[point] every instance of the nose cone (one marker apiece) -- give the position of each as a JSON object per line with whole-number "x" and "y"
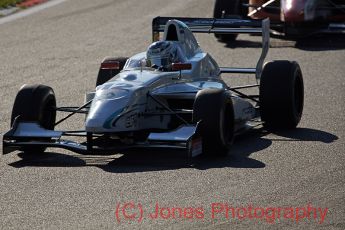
{"x": 103, "y": 113}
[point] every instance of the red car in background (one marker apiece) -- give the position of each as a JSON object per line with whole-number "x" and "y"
{"x": 288, "y": 17}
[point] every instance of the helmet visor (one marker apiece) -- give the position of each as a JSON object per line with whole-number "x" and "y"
{"x": 158, "y": 61}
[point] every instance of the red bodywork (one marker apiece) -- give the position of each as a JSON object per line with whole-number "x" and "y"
{"x": 292, "y": 11}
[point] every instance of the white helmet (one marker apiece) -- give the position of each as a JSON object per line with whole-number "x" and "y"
{"x": 162, "y": 54}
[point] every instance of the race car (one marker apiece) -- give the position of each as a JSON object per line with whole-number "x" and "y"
{"x": 293, "y": 18}
{"x": 170, "y": 96}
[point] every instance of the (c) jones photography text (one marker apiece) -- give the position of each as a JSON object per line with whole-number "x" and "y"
{"x": 132, "y": 211}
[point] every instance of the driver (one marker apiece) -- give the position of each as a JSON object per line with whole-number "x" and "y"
{"x": 162, "y": 54}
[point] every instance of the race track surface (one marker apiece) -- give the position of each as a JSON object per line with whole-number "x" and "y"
{"x": 62, "y": 47}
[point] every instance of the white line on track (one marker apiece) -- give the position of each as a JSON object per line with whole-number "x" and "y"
{"x": 30, "y": 11}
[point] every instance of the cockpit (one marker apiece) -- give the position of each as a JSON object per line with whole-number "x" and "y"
{"x": 177, "y": 46}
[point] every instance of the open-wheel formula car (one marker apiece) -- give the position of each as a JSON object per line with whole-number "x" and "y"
{"x": 171, "y": 96}
{"x": 293, "y": 18}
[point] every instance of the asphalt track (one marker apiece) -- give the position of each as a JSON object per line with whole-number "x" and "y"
{"x": 63, "y": 45}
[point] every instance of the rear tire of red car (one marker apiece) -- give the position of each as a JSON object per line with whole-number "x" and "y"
{"x": 105, "y": 75}
{"x": 35, "y": 103}
{"x": 231, "y": 8}
{"x": 281, "y": 95}
{"x": 214, "y": 109}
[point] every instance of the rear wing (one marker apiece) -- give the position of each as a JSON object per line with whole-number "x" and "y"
{"x": 223, "y": 26}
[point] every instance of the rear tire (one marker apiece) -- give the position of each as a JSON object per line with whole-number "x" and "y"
{"x": 213, "y": 107}
{"x": 281, "y": 95}
{"x": 35, "y": 103}
{"x": 233, "y": 9}
{"x": 105, "y": 75}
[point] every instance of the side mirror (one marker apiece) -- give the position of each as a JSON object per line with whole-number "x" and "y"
{"x": 110, "y": 64}
{"x": 181, "y": 66}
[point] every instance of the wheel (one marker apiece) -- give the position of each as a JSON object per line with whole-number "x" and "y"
{"x": 232, "y": 8}
{"x": 35, "y": 103}
{"x": 105, "y": 75}
{"x": 213, "y": 107}
{"x": 281, "y": 95}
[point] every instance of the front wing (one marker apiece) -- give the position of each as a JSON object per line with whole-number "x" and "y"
{"x": 25, "y": 135}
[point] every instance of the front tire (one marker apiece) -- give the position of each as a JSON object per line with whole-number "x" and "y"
{"x": 35, "y": 103}
{"x": 214, "y": 108}
{"x": 281, "y": 95}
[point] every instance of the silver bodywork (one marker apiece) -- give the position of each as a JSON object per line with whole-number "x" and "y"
{"x": 126, "y": 111}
